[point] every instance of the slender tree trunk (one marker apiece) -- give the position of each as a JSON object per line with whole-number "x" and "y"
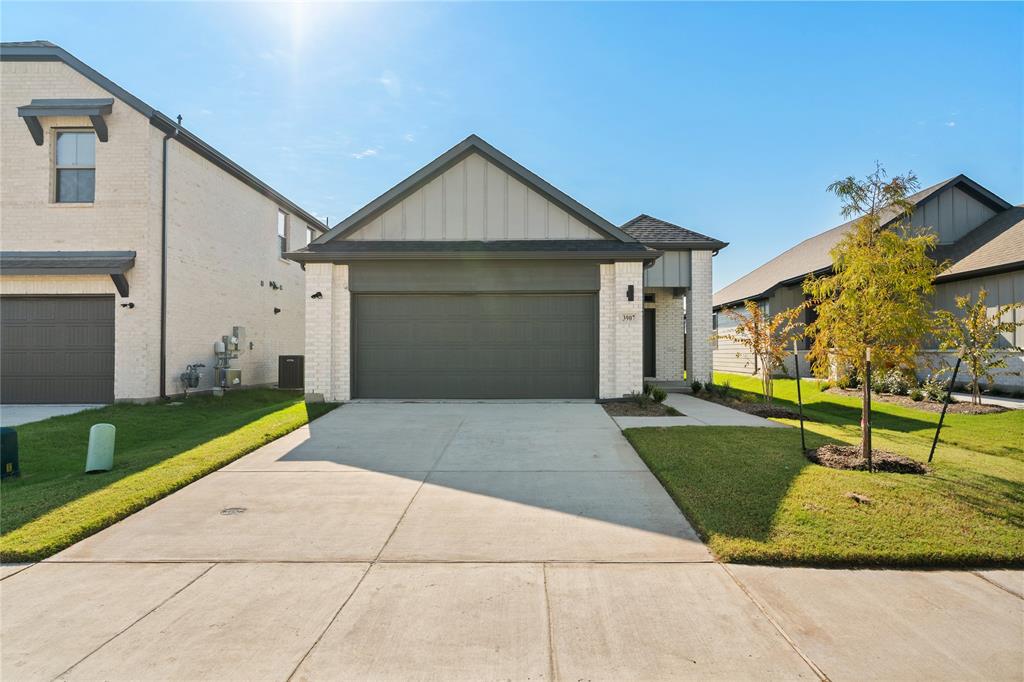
{"x": 865, "y": 417}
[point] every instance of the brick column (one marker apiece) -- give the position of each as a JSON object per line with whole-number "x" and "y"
{"x": 698, "y": 318}
{"x": 341, "y": 332}
{"x": 319, "y": 339}
{"x": 606, "y": 331}
{"x": 620, "y": 330}
{"x": 668, "y": 335}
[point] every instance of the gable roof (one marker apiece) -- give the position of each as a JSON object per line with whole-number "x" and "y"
{"x": 663, "y": 234}
{"x": 813, "y": 254}
{"x": 45, "y": 51}
{"x": 470, "y": 145}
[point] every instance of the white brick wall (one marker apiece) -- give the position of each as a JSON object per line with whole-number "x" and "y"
{"x": 698, "y": 318}
{"x": 328, "y": 332}
{"x": 620, "y": 330}
{"x": 668, "y": 334}
{"x": 124, "y": 216}
{"x": 222, "y": 239}
{"x": 222, "y": 255}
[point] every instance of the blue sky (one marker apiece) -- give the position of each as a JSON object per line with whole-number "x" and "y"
{"x": 729, "y": 119}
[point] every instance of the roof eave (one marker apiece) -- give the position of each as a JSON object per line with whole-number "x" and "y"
{"x": 304, "y": 256}
{"x": 712, "y": 245}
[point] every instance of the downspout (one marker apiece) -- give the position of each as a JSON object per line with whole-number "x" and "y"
{"x": 163, "y": 266}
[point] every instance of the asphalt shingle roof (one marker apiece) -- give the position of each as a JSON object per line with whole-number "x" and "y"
{"x": 996, "y": 243}
{"x": 812, "y": 254}
{"x": 650, "y": 230}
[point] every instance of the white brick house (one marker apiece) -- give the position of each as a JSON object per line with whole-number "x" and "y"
{"x": 476, "y": 279}
{"x": 129, "y": 245}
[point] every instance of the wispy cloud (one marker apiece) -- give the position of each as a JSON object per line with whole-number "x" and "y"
{"x": 409, "y": 137}
{"x": 368, "y": 152}
{"x": 951, "y": 124}
{"x": 391, "y": 82}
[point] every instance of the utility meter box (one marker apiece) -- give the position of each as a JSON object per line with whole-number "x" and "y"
{"x": 228, "y": 377}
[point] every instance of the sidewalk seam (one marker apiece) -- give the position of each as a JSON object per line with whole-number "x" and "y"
{"x": 778, "y": 626}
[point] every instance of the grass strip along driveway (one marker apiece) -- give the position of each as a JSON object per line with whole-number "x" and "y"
{"x": 755, "y": 498}
{"x": 160, "y": 448}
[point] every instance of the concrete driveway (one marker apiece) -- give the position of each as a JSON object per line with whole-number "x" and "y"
{"x": 469, "y": 541}
{"x": 16, "y": 415}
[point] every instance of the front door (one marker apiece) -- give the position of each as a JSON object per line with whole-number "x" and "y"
{"x": 649, "y": 369}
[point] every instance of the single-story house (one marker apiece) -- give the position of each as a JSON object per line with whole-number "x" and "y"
{"x": 130, "y": 245}
{"x": 476, "y": 279}
{"x": 980, "y": 235}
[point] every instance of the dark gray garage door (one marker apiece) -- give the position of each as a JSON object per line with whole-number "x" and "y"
{"x": 474, "y": 346}
{"x": 57, "y": 349}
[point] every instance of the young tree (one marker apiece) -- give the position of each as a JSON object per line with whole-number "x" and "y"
{"x": 973, "y": 334}
{"x": 875, "y": 299}
{"x": 767, "y": 338}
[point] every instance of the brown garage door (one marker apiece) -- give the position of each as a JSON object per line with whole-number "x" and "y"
{"x": 476, "y": 346}
{"x": 57, "y": 349}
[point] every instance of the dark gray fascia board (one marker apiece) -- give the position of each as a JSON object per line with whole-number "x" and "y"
{"x": 66, "y": 262}
{"x": 980, "y": 272}
{"x": 95, "y": 109}
{"x": 471, "y": 144}
{"x": 113, "y": 263}
{"x": 68, "y": 107}
{"x": 771, "y": 290}
{"x": 712, "y": 245}
{"x": 45, "y": 52}
{"x": 343, "y": 257}
{"x": 345, "y": 250}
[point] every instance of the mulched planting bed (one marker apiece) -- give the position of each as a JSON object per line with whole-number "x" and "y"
{"x": 757, "y": 409}
{"x": 926, "y": 405}
{"x": 631, "y": 409}
{"x": 849, "y": 457}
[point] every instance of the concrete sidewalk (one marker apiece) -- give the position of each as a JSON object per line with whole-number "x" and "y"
{"x": 468, "y": 542}
{"x": 697, "y": 412}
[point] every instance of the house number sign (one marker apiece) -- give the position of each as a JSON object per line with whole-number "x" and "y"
{"x": 628, "y": 317}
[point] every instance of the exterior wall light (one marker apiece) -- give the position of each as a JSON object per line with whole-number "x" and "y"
{"x": 629, "y": 293}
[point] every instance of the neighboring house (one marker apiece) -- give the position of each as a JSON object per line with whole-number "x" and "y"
{"x": 474, "y": 278}
{"x": 980, "y": 234}
{"x": 129, "y": 245}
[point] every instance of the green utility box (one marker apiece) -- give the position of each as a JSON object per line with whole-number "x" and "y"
{"x": 8, "y": 452}
{"x": 101, "y": 448}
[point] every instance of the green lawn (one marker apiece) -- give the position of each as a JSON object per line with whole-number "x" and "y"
{"x": 755, "y": 498}
{"x": 160, "y": 448}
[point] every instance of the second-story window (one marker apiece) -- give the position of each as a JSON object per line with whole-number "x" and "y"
{"x": 310, "y": 235}
{"x": 76, "y": 166}
{"x": 282, "y": 232}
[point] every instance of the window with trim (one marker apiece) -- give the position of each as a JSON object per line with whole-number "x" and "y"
{"x": 75, "y": 165}
{"x": 310, "y": 235}
{"x": 282, "y": 232}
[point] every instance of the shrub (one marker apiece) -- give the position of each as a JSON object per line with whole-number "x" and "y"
{"x": 648, "y": 388}
{"x": 917, "y": 395}
{"x": 658, "y": 394}
{"x": 897, "y": 381}
{"x": 641, "y": 399}
{"x": 695, "y": 386}
{"x": 824, "y": 385}
{"x": 934, "y": 388}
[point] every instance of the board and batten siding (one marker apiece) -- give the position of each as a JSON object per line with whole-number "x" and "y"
{"x": 952, "y": 214}
{"x": 1002, "y": 289}
{"x": 731, "y": 356}
{"x": 474, "y": 200}
{"x": 670, "y": 270}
